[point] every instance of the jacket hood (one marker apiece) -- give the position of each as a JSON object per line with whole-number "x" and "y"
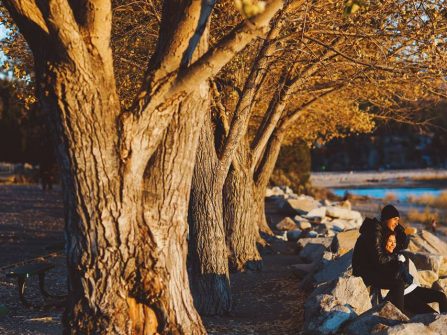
{"x": 369, "y": 225}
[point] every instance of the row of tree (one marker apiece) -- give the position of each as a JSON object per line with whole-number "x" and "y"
{"x": 168, "y": 118}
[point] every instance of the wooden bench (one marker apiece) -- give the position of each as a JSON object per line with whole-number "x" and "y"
{"x": 24, "y": 272}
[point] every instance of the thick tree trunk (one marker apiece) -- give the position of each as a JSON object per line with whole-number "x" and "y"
{"x": 239, "y": 216}
{"x": 208, "y": 255}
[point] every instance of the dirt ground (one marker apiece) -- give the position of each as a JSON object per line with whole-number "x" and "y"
{"x": 31, "y": 227}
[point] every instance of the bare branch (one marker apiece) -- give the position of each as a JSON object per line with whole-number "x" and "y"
{"x": 27, "y": 11}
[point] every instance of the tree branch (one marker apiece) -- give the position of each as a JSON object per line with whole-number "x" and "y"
{"x": 244, "y": 107}
{"x": 27, "y": 11}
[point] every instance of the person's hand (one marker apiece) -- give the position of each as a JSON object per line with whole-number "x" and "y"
{"x": 401, "y": 258}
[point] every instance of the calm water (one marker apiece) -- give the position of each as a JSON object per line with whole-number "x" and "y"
{"x": 400, "y": 193}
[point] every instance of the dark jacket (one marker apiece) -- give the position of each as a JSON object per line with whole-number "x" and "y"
{"x": 370, "y": 259}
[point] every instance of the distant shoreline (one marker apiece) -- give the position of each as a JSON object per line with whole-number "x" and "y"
{"x": 402, "y": 178}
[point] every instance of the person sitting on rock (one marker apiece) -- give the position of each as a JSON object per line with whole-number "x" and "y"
{"x": 416, "y": 298}
{"x": 372, "y": 263}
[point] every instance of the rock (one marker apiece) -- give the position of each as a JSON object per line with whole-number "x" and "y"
{"x": 286, "y": 224}
{"x": 407, "y": 329}
{"x": 418, "y": 244}
{"x": 439, "y": 245}
{"x": 303, "y": 204}
{"x": 443, "y": 269}
{"x": 338, "y": 225}
{"x": 324, "y": 314}
{"x": 385, "y": 313}
{"x": 312, "y": 252}
{"x": 435, "y": 322}
{"x": 334, "y": 269}
{"x": 345, "y": 241}
{"x": 440, "y": 285}
{"x": 274, "y": 191}
{"x": 439, "y": 325}
{"x": 326, "y": 241}
{"x": 316, "y": 215}
{"x": 312, "y": 234}
{"x": 282, "y": 237}
{"x": 427, "y": 277}
{"x": 303, "y": 225}
{"x": 342, "y": 213}
{"x": 426, "y": 261}
{"x": 294, "y": 235}
{"x": 348, "y": 290}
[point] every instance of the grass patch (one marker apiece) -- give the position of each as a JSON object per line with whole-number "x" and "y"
{"x": 439, "y": 201}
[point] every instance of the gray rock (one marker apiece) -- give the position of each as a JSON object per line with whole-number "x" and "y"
{"x": 312, "y": 252}
{"x": 294, "y": 235}
{"x": 348, "y": 290}
{"x": 345, "y": 241}
{"x": 418, "y": 244}
{"x": 386, "y": 314}
{"x": 425, "y": 260}
{"x": 324, "y": 314}
{"x": 334, "y": 269}
{"x": 326, "y": 241}
{"x": 407, "y": 329}
{"x": 286, "y": 224}
{"x": 303, "y": 204}
{"x": 342, "y": 213}
{"x": 312, "y": 234}
{"x": 316, "y": 215}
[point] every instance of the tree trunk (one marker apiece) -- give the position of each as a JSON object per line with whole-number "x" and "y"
{"x": 210, "y": 282}
{"x": 239, "y": 215}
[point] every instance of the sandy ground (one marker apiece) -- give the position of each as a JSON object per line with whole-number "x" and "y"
{"x": 31, "y": 223}
{"x": 365, "y": 178}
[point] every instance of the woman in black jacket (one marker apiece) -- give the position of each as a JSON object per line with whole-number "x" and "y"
{"x": 416, "y": 298}
{"x": 371, "y": 261}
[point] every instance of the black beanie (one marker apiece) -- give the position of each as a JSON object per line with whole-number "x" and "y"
{"x": 388, "y": 212}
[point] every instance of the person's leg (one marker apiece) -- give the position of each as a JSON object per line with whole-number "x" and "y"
{"x": 417, "y": 300}
{"x": 396, "y": 293}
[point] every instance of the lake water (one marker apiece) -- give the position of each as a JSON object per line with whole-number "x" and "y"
{"x": 401, "y": 193}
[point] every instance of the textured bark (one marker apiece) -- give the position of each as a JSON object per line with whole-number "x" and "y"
{"x": 126, "y": 234}
{"x": 208, "y": 255}
{"x": 240, "y": 217}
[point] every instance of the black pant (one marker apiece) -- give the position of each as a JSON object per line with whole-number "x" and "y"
{"x": 396, "y": 287}
{"x": 416, "y": 301}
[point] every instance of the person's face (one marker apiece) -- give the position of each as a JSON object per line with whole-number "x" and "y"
{"x": 392, "y": 223}
{"x": 390, "y": 244}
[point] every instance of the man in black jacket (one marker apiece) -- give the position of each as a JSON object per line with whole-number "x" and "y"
{"x": 371, "y": 262}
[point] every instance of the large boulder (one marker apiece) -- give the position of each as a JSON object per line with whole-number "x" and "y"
{"x": 440, "y": 285}
{"x": 435, "y": 242}
{"x": 345, "y": 241}
{"x": 324, "y": 314}
{"x": 427, "y": 278}
{"x": 385, "y": 314}
{"x": 407, "y": 329}
{"x": 426, "y": 261}
{"x": 418, "y": 244}
{"x": 286, "y": 224}
{"x": 342, "y": 213}
{"x": 435, "y": 322}
{"x": 348, "y": 290}
{"x": 335, "y": 268}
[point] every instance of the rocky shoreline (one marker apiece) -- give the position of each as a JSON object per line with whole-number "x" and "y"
{"x": 340, "y": 303}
